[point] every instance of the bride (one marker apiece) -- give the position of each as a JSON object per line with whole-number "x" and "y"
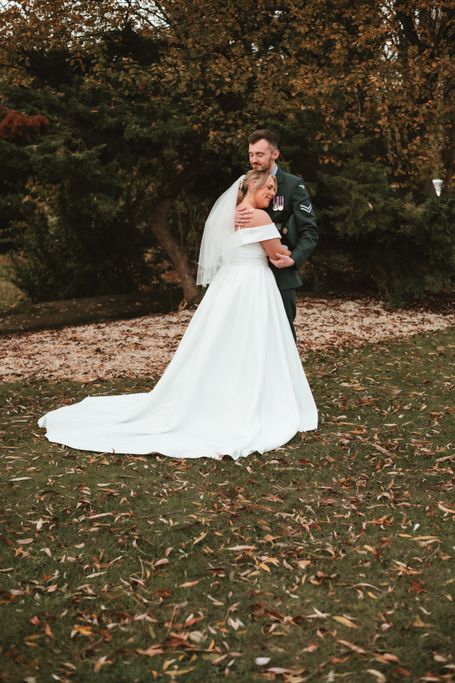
{"x": 235, "y": 384}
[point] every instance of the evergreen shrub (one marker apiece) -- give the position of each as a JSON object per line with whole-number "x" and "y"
{"x": 81, "y": 236}
{"x": 376, "y": 238}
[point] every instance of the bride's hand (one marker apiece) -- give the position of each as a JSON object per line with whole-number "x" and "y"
{"x": 243, "y": 217}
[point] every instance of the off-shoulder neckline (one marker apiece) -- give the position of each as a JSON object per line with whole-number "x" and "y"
{"x": 257, "y": 227}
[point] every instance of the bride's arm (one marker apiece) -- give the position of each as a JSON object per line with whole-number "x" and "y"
{"x": 272, "y": 247}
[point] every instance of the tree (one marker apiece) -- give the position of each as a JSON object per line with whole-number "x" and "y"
{"x": 17, "y": 130}
{"x": 386, "y": 70}
{"x": 185, "y": 89}
{"x": 374, "y": 237}
{"x": 162, "y": 95}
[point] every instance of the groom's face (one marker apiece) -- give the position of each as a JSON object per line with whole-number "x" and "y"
{"x": 262, "y": 155}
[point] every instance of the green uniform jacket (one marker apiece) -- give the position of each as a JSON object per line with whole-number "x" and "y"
{"x": 297, "y": 226}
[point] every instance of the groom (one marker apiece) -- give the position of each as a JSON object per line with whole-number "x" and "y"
{"x": 292, "y": 213}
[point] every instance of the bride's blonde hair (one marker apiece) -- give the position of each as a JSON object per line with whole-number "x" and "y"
{"x": 257, "y": 178}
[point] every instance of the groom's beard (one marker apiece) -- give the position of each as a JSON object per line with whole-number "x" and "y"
{"x": 261, "y": 167}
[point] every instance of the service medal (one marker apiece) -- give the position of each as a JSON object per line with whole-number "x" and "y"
{"x": 278, "y": 203}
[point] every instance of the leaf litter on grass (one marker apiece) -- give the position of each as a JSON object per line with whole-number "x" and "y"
{"x": 144, "y": 346}
{"x": 329, "y": 559}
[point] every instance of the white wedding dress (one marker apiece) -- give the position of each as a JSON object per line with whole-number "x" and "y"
{"x": 234, "y": 386}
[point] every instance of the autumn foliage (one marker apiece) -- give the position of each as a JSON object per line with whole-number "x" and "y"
{"x": 156, "y": 99}
{"x": 16, "y": 126}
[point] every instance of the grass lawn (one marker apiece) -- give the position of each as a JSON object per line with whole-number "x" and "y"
{"x": 331, "y": 559}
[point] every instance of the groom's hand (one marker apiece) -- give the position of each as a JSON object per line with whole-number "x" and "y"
{"x": 282, "y": 261}
{"x": 243, "y": 217}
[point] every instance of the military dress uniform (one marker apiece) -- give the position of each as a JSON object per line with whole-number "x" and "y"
{"x": 293, "y": 214}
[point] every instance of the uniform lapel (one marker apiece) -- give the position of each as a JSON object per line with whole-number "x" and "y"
{"x": 279, "y": 180}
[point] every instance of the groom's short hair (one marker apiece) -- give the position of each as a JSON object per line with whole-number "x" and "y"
{"x": 264, "y": 134}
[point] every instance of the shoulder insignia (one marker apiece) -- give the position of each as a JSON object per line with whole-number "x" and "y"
{"x": 306, "y": 207}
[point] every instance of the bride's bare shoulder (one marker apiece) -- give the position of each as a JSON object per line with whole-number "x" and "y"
{"x": 260, "y": 217}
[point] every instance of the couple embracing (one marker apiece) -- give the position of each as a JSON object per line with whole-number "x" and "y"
{"x": 235, "y": 384}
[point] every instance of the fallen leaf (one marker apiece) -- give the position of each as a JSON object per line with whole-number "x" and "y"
{"x": 378, "y": 675}
{"x": 352, "y": 646}
{"x": 102, "y": 661}
{"x": 445, "y": 508}
{"x": 81, "y": 630}
{"x": 189, "y": 584}
{"x": 345, "y": 621}
{"x": 386, "y": 657}
{"x": 200, "y": 538}
{"x": 197, "y": 636}
{"x": 151, "y": 651}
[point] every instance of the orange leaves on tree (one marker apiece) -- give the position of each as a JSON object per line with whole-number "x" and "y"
{"x": 15, "y": 126}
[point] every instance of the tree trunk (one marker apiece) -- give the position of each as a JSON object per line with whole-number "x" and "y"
{"x": 157, "y": 224}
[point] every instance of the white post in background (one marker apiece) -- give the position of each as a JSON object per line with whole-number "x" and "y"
{"x": 437, "y": 184}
